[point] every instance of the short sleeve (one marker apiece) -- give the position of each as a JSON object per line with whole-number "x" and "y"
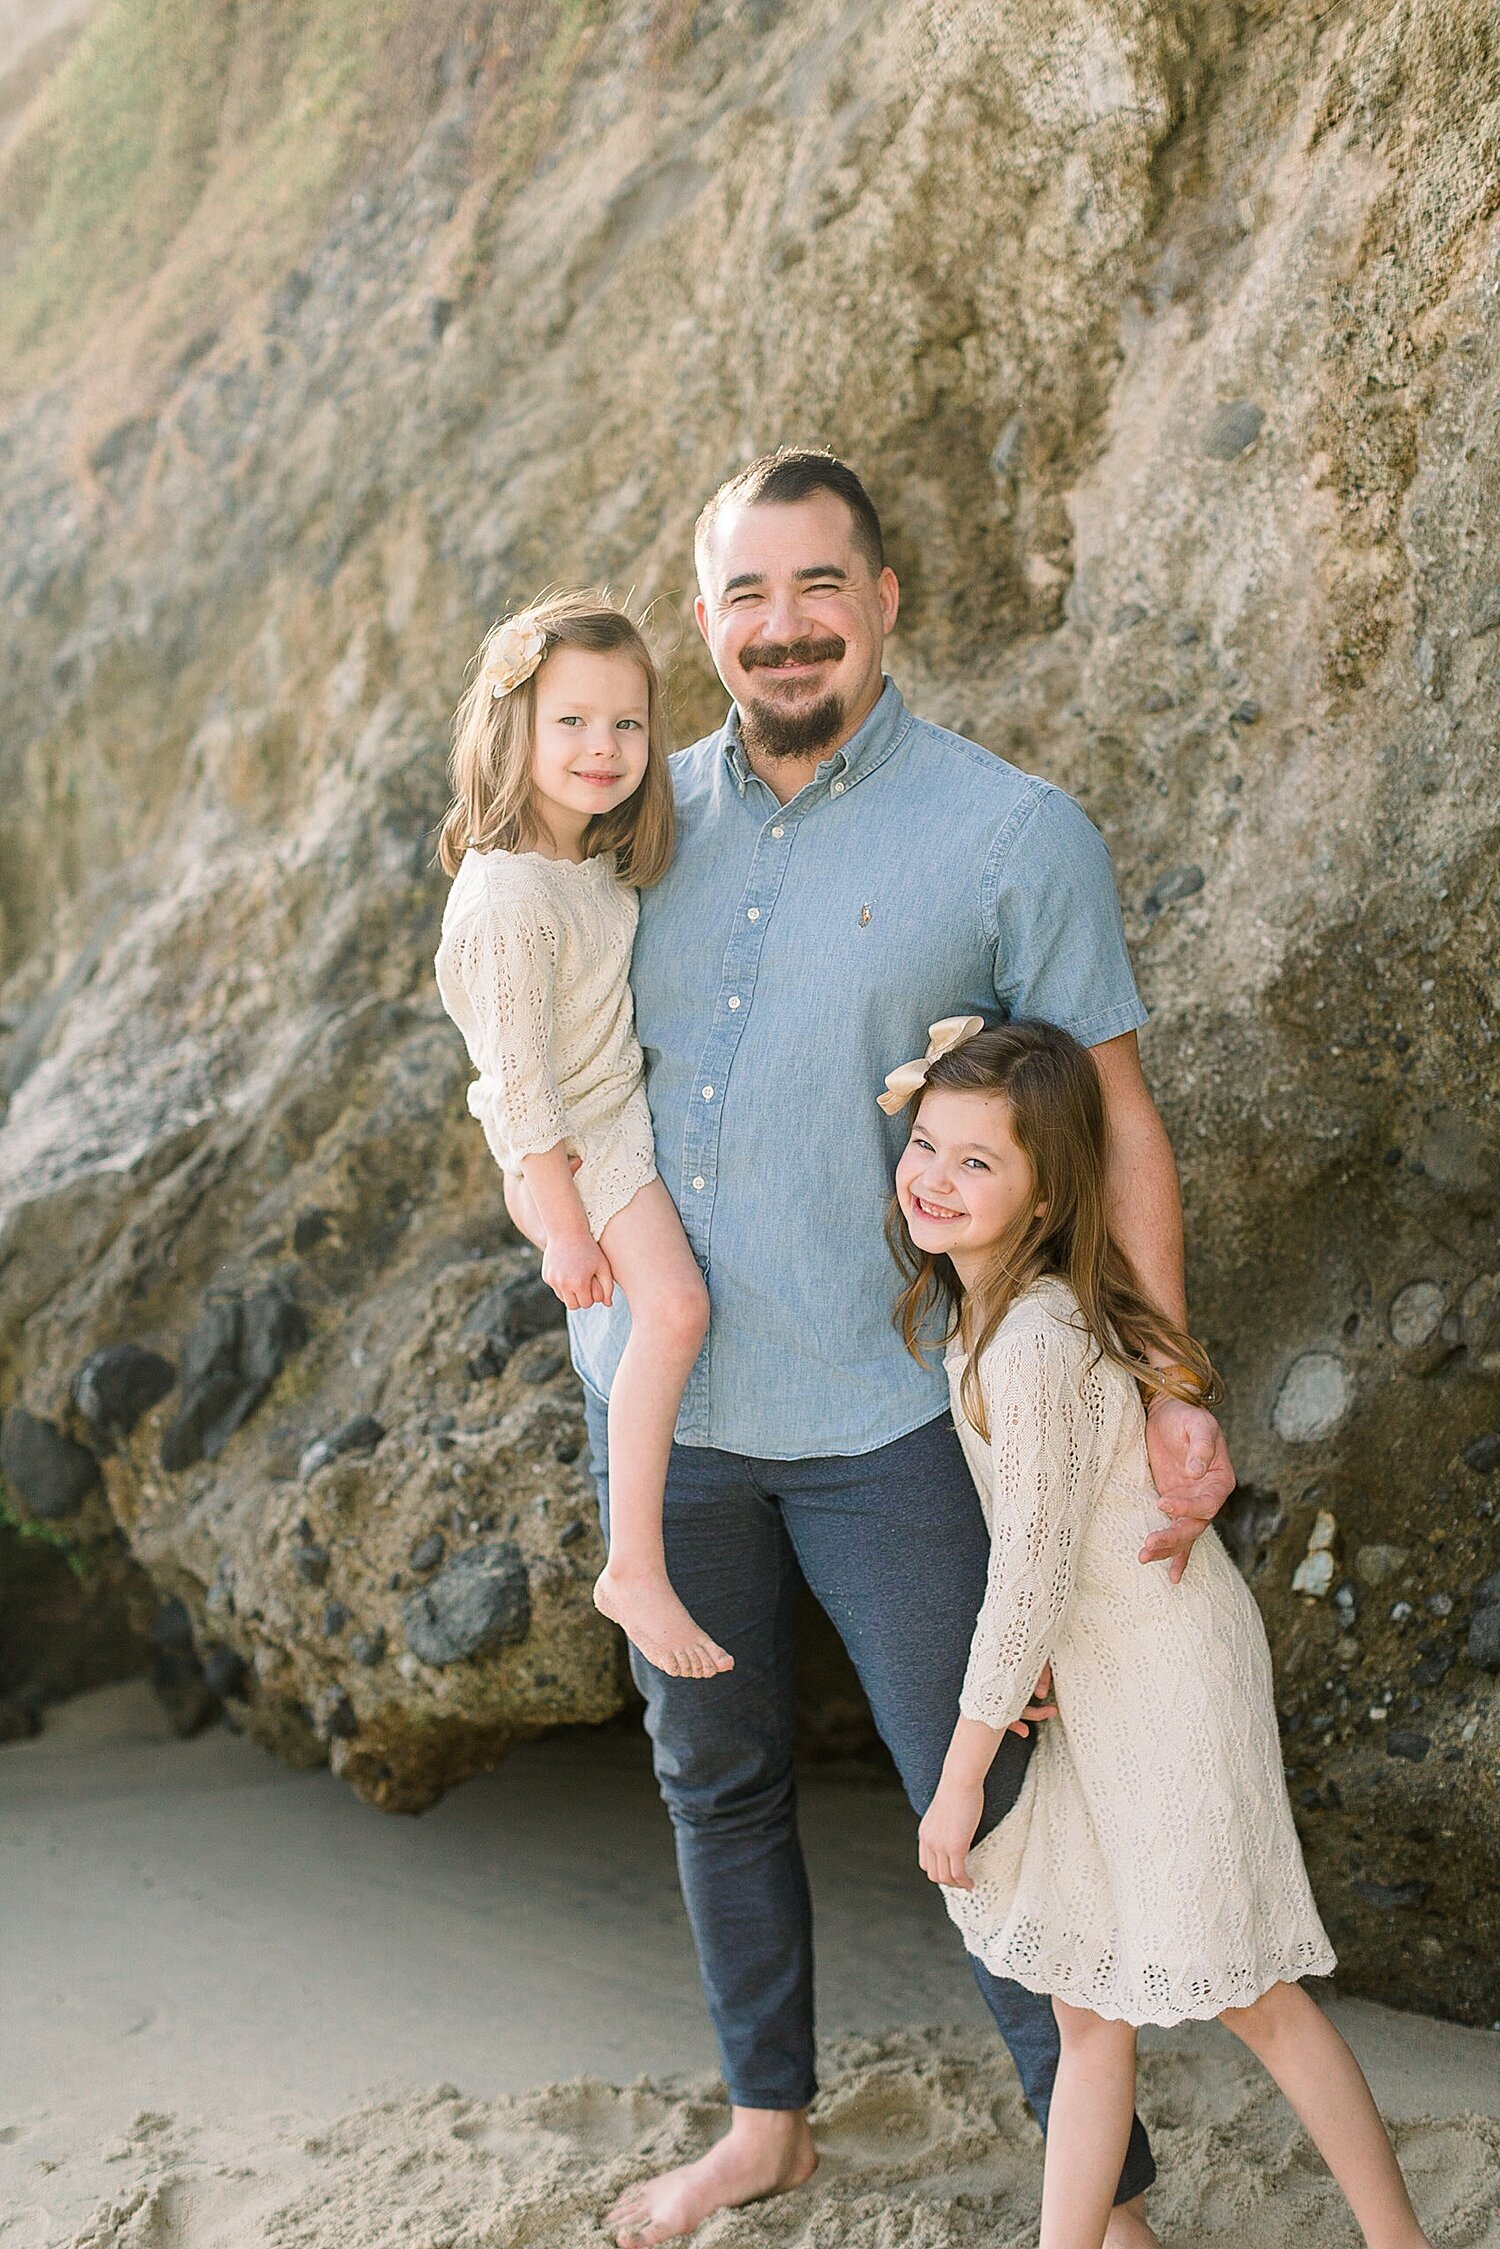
{"x": 1051, "y": 904}
{"x": 1046, "y": 1439}
{"x": 495, "y": 973}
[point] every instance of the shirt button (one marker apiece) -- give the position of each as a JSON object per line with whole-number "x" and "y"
{"x": 752, "y": 913}
{"x": 697, "y": 1186}
{"x": 734, "y": 1002}
{"x": 838, "y": 789}
{"x": 778, "y": 833}
{"x": 708, "y": 1093}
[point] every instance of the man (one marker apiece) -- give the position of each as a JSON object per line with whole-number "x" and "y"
{"x": 845, "y": 875}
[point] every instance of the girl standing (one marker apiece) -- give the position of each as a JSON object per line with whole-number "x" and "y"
{"x": 1149, "y": 1871}
{"x": 562, "y": 809}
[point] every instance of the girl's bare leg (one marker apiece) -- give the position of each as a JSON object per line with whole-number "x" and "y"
{"x": 1088, "y": 2127}
{"x": 1288, "y": 2031}
{"x": 649, "y": 1255}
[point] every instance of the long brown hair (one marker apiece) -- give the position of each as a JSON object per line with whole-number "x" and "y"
{"x": 494, "y": 796}
{"x": 1058, "y": 1122}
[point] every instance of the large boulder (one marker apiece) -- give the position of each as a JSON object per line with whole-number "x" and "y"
{"x": 1168, "y": 341}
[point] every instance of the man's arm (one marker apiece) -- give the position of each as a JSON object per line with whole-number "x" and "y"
{"x": 1189, "y": 1458}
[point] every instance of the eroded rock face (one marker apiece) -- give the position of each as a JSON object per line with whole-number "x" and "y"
{"x": 1168, "y": 340}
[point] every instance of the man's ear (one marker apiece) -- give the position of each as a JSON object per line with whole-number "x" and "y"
{"x": 700, "y": 612}
{"x": 887, "y": 586}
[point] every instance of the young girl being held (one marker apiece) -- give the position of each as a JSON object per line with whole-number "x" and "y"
{"x": 1149, "y": 1871}
{"x": 562, "y": 809}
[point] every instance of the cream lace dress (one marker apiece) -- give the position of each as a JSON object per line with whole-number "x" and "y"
{"x": 1149, "y": 1869}
{"x": 534, "y": 969}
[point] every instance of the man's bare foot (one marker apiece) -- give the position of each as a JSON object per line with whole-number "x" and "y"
{"x": 652, "y": 1618}
{"x": 1128, "y": 2228}
{"x": 766, "y": 2151}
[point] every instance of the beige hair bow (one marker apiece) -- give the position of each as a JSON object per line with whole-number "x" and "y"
{"x": 942, "y": 1038}
{"x": 513, "y": 654}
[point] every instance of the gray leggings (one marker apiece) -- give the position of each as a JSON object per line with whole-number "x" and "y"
{"x": 894, "y": 1547}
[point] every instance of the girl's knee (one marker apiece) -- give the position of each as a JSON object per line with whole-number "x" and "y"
{"x": 1079, "y": 2027}
{"x": 677, "y": 1315}
{"x": 1265, "y": 2017}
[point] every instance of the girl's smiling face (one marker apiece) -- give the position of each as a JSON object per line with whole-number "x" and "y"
{"x": 592, "y": 730}
{"x": 963, "y": 1181}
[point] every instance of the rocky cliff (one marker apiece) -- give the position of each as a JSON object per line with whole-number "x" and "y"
{"x": 1167, "y": 337}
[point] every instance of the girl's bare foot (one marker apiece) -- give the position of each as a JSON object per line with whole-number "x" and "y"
{"x": 764, "y": 2152}
{"x": 1128, "y": 2228}
{"x": 652, "y": 1618}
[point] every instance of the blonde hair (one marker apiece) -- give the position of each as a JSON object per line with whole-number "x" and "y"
{"x": 490, "y": 768}
{"x": 1057, "y": 1120}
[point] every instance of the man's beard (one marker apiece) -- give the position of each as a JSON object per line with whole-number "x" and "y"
{"x": 774, "y": 732}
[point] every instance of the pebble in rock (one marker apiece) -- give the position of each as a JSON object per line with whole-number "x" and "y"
{"x": 428, "y": 1552}
{"x": 1400, "y": 1743}
{"x": 310, "y": 1229}
{"x": 544, "y": 1367}
{"x": 224, "y": 1670}
{"x": 572, "y": 1531}
{"x": 1483, "y": 1455}
{"x": 1484, "y": 1638}
{"x": 481, "y": 1600}
{"x": 234, "y": 1353}
{"x": 1246, "y": 711}
{"x": 335, "y": 1617}
{"x": 334, "y": 1716}
{"x": 51, "y": 1474}
{"x": 361, "y": 1435}
{"x": 171, "y": 1627}
{"x": 114, "y": 1387}
{"x": 1393, "y": 1897}
{"x": 1375, "y": 1565}
{"x": 368, "y": 1648}
{"x": 1182, "y": 882}
{"x": 311, "y": 1563}
{"x": 1233, "y": 429}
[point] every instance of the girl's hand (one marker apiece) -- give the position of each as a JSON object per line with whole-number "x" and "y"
{"x": 946, "y": 1832}
{"x": 575, "y": 1268}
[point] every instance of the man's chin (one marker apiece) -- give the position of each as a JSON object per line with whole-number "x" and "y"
{"x": 791, "y": 729}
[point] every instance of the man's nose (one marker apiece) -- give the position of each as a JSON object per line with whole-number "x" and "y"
{"x": 784, "y": 619}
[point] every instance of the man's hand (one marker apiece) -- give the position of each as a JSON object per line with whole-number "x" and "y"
{"x": 1193, "y": 1474}
{"x": 575, "y": 1268}
{"x": 947, "y": 1830}
{"x": 1041, "y": 1705}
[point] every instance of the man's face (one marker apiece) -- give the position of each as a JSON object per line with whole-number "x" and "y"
{"x": 796, "y": 619}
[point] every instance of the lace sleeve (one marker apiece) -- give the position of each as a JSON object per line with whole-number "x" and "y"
{"x": 495, "y": 972}
{"x": 1045, "y": 1416}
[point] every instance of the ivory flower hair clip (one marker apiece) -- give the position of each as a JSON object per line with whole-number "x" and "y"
{"x": 514, "y": 653}
{"x": 910, "y": 1077}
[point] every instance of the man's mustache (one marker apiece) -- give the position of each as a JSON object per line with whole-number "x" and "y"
{"x": 774, "y": 656}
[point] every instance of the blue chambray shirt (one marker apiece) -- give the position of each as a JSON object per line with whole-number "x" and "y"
{"x": 790, "y": 957}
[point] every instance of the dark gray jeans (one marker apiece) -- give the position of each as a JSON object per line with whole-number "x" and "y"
{"x": 893, "y": 1545}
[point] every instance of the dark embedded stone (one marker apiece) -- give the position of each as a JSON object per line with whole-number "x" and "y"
{"x": 566, "y": 1451}
{"x": 481, "y": 1600}
{"x": 1484, "y": 1638}
{"x": 335, "y": 1617}
{"x": 1309, "y": 1799}
{"x": 333, "y": 1716}
{"x": 1246, "y": 712}
{"x": 1412, "y": 1746}
{"x": 311, "y": 1228}
{"x": 1487, "y": 1592}
{"x": 1127, "y": 617}
{"x": 1233, "y": 430}
{"x": 427, "y": 1552}
{"x": 1157, "y": 699}
{"x": 224, "y": 1670}
{"x": 544, "y": 1366}
{"x": 233, "y": 1355}
{"x": 1182, "y": 882}
{"x": 1434, "y": 1668}
{"x": 311, "y": 1563}
{"x": 1393, "y": 1897}
{"x": 361, "y": 1435}
{"x": 1483, "y": 1455}
{"x": 51, "y": 1474}
{"x": 184, "y": 1694}
{"x": 171, "y": 1627}
{"x": 114, "y": 1387}
{"x": 368, "y": 1648}
{"x": 572, "y": 1531}
{"x": 526, "y": 1308}
{"x": 492, "y": 1358}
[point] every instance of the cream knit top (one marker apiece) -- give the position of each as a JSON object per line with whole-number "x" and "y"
{"x": 534, "y": 969}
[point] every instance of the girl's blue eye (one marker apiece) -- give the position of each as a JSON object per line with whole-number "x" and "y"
{"x": 978, "y": 1162}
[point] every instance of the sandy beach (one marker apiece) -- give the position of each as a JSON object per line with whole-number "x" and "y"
{"x": 243, "y": 2008}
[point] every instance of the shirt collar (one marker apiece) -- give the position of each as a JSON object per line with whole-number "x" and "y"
{"x": 869, "y": 747}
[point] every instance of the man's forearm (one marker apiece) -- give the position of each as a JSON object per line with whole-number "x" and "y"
{"x": 1145, "y": 1198}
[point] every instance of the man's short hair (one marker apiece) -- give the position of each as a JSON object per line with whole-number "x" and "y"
{"x": 792, "y": 473}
